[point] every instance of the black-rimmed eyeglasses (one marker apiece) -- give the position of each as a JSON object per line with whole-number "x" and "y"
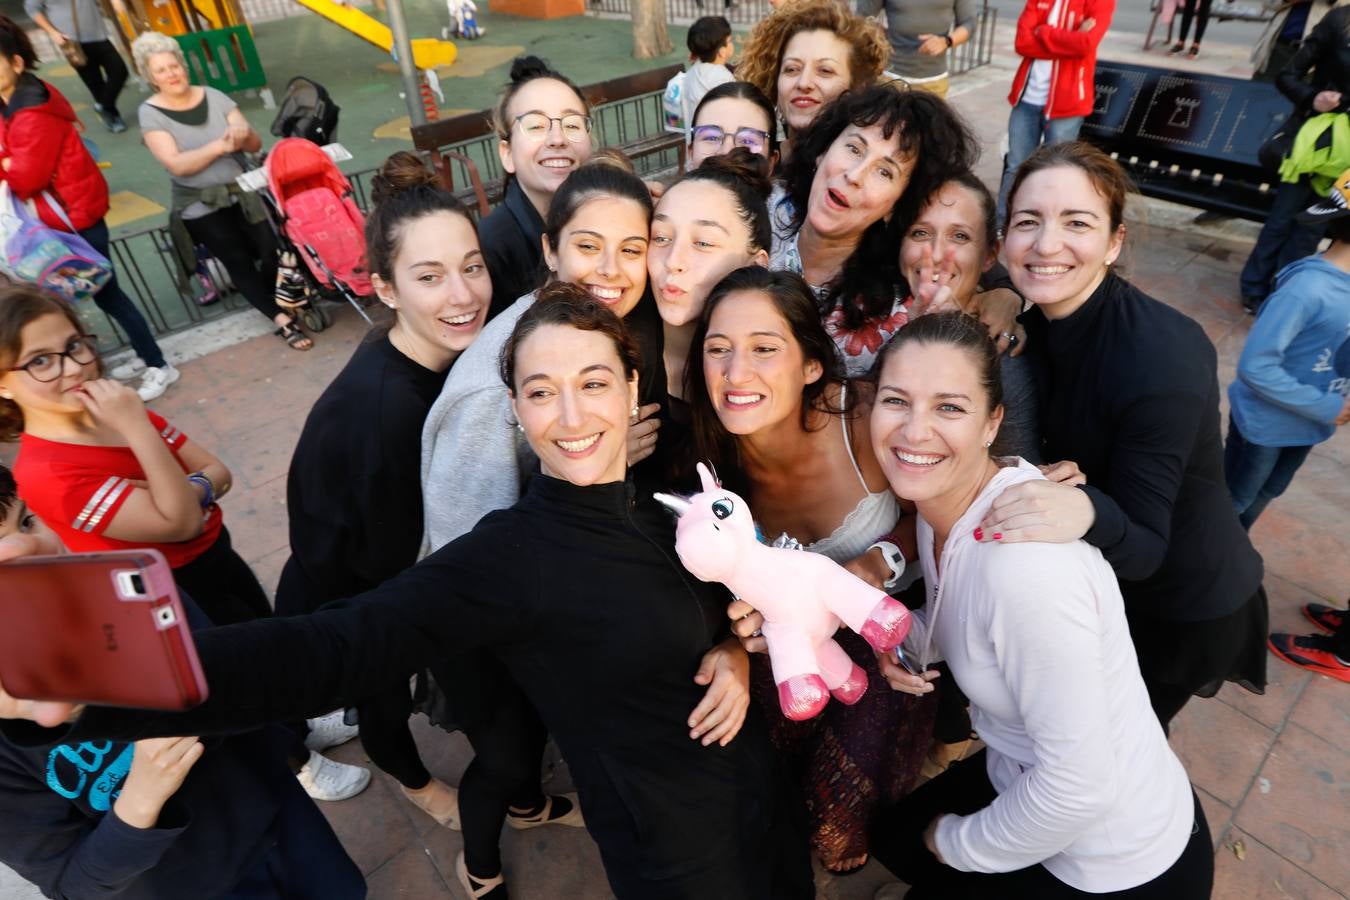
{"x": 47, "y": 367}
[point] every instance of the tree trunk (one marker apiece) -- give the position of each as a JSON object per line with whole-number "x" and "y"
{"x": 650, "y": 38}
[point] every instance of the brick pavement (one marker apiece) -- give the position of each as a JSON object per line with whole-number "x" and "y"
{"x": 1273, "y": 772}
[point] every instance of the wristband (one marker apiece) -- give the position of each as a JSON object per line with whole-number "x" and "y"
{"x": 208, "y": 488}
{"x": 895, "y": 561}
{"x": 950, "y": 42}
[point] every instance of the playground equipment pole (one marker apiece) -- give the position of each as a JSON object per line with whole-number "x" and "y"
{"x": 412, "y": 91}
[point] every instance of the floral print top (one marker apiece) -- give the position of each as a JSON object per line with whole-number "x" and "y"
{"x": 857, "y": 347}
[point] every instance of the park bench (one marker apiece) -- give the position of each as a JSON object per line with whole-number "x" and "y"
{"x": 626, "y": 114}
{"x": 1188, "y": 137}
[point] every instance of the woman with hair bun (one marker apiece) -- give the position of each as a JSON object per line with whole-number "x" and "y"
{"x": 353, "y": 491}
{"x": 543, "y": 127}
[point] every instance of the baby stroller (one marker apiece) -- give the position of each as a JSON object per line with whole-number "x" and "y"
{"x": 307, "y": 112}
{"x": 316, "y": 216}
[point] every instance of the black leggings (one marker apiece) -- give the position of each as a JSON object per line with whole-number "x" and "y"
{"x": 223, "y": 585}
{"x": 508, "y": 750}
{"x": 897, "y": 843}
{"x": 388, "y": 740}
{"x": 247, "y": 251}
{"x": 1199, "y": 10}
{"x": 105, "y": 74}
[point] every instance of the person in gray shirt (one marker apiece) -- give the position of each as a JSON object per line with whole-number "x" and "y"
{"x": 81, "y": 22}
{"x": 921, "y": 32}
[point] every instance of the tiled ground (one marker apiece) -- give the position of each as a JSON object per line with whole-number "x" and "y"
{"x": 1273, "y": 771}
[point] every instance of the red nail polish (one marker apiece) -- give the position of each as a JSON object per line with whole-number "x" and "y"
{"x": 979, "y": 534}
{"x": 998, "y": 535}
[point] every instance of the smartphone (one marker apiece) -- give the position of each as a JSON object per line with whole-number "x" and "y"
{"x": 910, "y": 665}
{"x": 105, "y": 628}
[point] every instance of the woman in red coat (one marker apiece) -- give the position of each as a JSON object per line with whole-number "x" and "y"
{"x": 43, "y": 157}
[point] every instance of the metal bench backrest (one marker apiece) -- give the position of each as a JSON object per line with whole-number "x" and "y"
{"x": 1188, "y": 137}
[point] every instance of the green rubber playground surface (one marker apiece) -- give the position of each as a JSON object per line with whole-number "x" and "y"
{"x": 364, "y": 82}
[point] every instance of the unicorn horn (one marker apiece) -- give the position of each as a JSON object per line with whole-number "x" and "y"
{"x": 678, "y": 505}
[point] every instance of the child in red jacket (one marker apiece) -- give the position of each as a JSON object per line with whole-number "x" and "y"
{"x": 1053, "y": 90}
{"x": 43, "y": 158}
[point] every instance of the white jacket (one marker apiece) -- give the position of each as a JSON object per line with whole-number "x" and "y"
{"x": 1035, "y": 635}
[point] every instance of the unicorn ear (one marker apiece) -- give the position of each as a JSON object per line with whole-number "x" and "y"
{"x": 706, "y": 477}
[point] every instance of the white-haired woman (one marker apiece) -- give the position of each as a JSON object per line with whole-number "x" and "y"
{"x": 198, "y": 134}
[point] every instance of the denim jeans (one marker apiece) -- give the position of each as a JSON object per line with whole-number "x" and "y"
{"x": 118, "y": 306}
{"x": 1257, "y": 475}
{"x": 1027, "y": 129}
{"x": 1282, "y": 240}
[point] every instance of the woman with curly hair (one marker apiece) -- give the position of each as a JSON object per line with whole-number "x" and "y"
{"x": 864, "y": 170}
{"x": 806, "y": 53}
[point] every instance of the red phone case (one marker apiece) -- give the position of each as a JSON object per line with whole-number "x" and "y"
{"x": 76, "y": 628}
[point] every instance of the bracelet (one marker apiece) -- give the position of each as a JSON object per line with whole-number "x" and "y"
{"x": 207, "y": 486}
{"x": 895, "y": 561}
{"x": 950, "y": 42}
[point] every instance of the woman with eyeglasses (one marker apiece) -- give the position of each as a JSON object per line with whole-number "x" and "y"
{"x": 543, "y": 127}
{"x": 104, "y": 472}
{"x": 735, "y": 114}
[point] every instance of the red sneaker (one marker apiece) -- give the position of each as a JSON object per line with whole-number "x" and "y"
{"x": 1310, "y": 651}
{"x": 1328, "y": 618}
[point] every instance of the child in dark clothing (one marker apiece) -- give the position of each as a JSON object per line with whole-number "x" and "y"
{"x": 162, "y": 817}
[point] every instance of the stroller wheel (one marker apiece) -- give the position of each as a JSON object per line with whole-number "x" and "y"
{"x": 314, "y": 318}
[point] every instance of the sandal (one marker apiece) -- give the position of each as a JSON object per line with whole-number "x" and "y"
{"x": 546, "y": 816}
{"x": 438, "y": 800}
{"x": 473, "y": 886}
{"x": 1178, "y": 47}
{"x": 1194, "y": 51}
{"x": 294, "y": 337}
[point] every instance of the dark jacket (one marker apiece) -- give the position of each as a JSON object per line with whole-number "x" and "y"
{"x": 1130, "y": 392}
{"x": 1322, "y": 62}
{"x": 40, "y": 136}
{"x": 510, "y": 238}
{"x": 578, "y": 591}
{"x": 59, "y": 831}
{"x": 354, "y": 489}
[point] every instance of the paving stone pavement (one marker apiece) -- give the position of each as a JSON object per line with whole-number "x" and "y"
{"x": 1273, "y": 772}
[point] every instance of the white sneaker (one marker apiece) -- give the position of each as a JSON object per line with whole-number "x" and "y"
{"x": 156, "y": 381}
{"x": 329, "y": 731}
{"x": 326, "y": 779}
{"x": 128, "y": 370}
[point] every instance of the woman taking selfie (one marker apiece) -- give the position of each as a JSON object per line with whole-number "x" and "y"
{"x": 543, "y": 127}
{"x": 1077, "y": 794}
{"x": 1130, "y": 402}
{"x": 102, "y": 471}
{"x": 577, "y": 591}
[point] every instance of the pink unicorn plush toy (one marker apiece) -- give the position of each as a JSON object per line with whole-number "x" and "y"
{"x": 802, "y": 596}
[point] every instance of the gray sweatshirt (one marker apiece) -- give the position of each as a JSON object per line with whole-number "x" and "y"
{"x": 474, "y": 459}
{"x": 60, "y": 14}
{"x": 907, "y": 19}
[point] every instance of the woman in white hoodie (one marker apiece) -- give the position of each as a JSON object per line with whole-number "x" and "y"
{"x": 1077, "y": 793}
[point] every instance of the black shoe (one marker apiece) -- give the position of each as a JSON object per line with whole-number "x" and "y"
{"x": 1252, "y": 304}
{"x": 112, "y": 121}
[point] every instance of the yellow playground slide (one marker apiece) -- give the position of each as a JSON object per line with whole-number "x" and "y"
{"x": 428, "y": 53}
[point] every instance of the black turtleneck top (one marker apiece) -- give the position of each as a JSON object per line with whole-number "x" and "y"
{"x": 1130, "y": 392}
{"x": 579, "y": 593}
{"x": 510, "y": 238}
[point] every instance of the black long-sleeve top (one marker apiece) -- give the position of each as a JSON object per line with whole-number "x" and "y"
{"x": 1322, "y": 62}
{"x": 578, "y": 591}
{"x": 510, "y": 238}
{"x": 58, "y": 828}
{"x": 354, "y": 491}
{"x": 1130, "y": 392}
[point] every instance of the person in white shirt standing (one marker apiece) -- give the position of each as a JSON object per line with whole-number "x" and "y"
{"x": 1053, "y": 90}
{"x": 1078, "y": 793}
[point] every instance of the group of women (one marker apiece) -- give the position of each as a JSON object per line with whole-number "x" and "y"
{"x": 823, "y": 337}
